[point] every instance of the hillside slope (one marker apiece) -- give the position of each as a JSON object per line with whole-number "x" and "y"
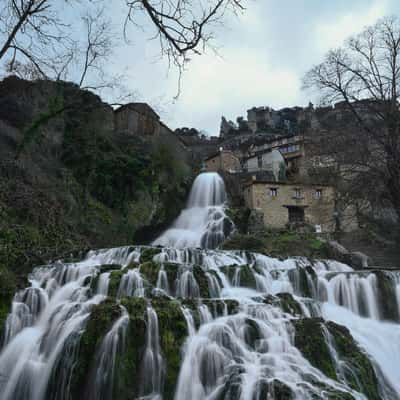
{"x": 68, "y": 181}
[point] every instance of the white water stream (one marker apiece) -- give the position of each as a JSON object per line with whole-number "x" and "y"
{"x": 203, "y": 223}
{"x": 240, "y": 341}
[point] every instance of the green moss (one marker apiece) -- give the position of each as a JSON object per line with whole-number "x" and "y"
{"x": 310, "y": 340}
{"x": 129, "y": 362}
{"x": 109, "y": 267}
{"x": 173, "y": 333}
{"x": 100, "y": 322}
{"x": 247, "y": 278}
{"x": 115, "y": 279}
{"x": 148, "y": 254}
{"x": 218, "y": 307}
{"x": 303, "y": 279}
{"x": 202, "y": 281}
{"x": 289, "y": 304}
{"x": 150, "y": 270}
{"x": 8, "y": 286}
{"x": 240, "y": 217}
{"x": 244, "y": 242}
{"x": 360, "y": 375}
{"x": 387, "y": 298}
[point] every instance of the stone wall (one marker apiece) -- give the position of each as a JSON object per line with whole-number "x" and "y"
{"x": 137, "y": 119}
{"x": 317, "y": 211}
{"x": 223, "y": 161}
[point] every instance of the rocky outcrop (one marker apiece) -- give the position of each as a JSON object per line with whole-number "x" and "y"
{"x": 68, "y": 181}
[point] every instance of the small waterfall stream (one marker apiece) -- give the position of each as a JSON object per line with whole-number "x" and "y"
{"x": 203, "y": 223}
{"x": 180, "y": 323}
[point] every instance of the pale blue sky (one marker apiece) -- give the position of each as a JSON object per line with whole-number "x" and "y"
{"x": 263, "y": 55}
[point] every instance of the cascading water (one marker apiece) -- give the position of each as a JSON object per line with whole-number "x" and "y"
{"x": 233, "y": 319}
{"x": 203, "y": 223}
{"x": 153, "y": 368}
{"x": 180, "y": 323}
{"x": 101, "y": 387}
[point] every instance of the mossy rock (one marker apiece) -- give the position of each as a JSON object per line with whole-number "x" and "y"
{"x": 129, "y": 362}
{"x": 361, "y": 376}
{"x": 202, "y": 281}
{"x": 289, "y": 304}
{"x": 244, "y": 242}
{"x": 100, "y": 321}
{"x": 149, "y": 270}
{"x": 303, "y": 279}
{"x": 387, "y": 298}
{"x": 115, "y": 279}
{"x": 274, "y": 389}
{"x": 246, "y": 274}
{"x": 172, "y": 271}
{"x": 109, "y": 267}
{"x": 218, "y": 307}
{"x": 231, "y": 390}
{"x": 217, "y": 277}
{"x": 251, "y": 332}
{"x": 173, "y": 333}
{"x": 8, "y": 287}
{"x": 240, "y": 217}
{"x": 148, "y": 254}
{"x": 310, "y": 340}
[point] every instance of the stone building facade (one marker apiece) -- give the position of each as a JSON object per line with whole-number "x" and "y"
{"x": 137, "y": 119}
{"x": 222, "y": 161}
{"x": 290, "y": 203}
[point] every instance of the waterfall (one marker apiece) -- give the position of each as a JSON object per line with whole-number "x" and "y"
{"x": 153, "y": 367}
{"x": 101, "y": 387}
{"x": 203, "y": 324}
{"x": 131, "y": 284}
{"x": 203, "y": 223}
{"x": 103, "y": 283}
{"x": 162, "y": 281}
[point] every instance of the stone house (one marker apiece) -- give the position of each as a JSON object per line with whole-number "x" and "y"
{"x": 283, "y": 203}
{"x": 292, "y": 148}
{"x": 222, "y": 161}
{"x": 137, "y": 119}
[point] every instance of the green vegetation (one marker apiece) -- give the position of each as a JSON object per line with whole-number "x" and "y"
{"x": 71, "y": 182}
{"x": 359, "y": 372}
{"x": 360, "y": 375}
{"x": 310, "y": 340}
{"x": 279, "y": 243}
{"x": 100, "y": 322}
{"x": 7, "y": 290}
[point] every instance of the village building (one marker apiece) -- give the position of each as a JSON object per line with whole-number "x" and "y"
{"x": 222, "y": 161}
{"x": 137, "y": 119}
{"x": 291, "y": 147}
{"x": 267, "y": 161}
{"x": 283, "y": 204}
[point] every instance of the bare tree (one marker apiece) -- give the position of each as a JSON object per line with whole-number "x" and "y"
{"x": 34, "y": 38}
{"x": 182, "y": 27}
{"x": 37, "y": 40}
{"x": 364, "y": 75}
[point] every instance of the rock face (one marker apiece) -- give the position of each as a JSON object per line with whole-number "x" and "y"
{"x": 69, "y": 180}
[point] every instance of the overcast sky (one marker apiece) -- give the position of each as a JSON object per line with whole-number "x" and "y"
{"x": 263, "y": 55}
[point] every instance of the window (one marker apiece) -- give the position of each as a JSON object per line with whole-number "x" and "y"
{"x": 297, "y": 193}
{"x": 273, "y": 192}
{"x": 318, "y": 193}
{"x": 259, "y": 161}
